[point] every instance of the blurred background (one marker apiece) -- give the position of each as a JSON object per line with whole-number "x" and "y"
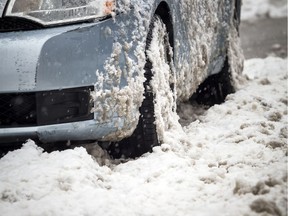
{"x": 263, "y": 29}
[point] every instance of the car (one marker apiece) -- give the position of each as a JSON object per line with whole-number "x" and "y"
{"x": 84, "y": 70}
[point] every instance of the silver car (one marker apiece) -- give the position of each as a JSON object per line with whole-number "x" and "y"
{"x": 82, "y": 70}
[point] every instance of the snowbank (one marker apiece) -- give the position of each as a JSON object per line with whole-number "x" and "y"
{"x": 253, "y": 9}
{"x": 231, "y": 161}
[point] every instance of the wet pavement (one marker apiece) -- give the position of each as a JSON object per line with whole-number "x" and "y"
{"x": 264, "y": 37}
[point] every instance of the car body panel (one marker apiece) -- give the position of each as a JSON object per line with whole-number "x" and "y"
{"x": 56, "y": 53}
{"x": 109, "y": 54}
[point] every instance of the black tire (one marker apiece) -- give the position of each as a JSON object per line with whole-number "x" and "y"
{"x": 215, "y": 88}
{"x": 144, "y": 138}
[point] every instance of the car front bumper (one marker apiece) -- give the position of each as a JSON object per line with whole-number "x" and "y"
{"x": 69, "y": 57}
{"x": 70, "y": 114}
{"x": 85, "y": 130}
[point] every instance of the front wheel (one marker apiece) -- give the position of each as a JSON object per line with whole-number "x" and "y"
{"x": 145, "y": 136}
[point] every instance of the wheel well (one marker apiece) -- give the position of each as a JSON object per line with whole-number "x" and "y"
{"x": 163, "y": 11}
{"x": 237, "y": 13}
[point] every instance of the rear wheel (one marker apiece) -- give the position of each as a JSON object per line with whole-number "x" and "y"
{"x": 216, "y": 87}
{"x": 144, "y": 138}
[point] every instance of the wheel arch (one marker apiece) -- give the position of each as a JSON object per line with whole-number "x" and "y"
{"x": 164, "y": 12}
{"x": 237, "y": 13}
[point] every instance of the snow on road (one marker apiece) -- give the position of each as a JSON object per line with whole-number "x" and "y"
{"x": 254, "y": 9}
{"x": 231, "y": 161}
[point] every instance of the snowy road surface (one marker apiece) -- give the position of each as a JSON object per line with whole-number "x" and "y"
{"x": 231, "y": 161}
{"x": 260, "y": 35}
{"x": 266, "y": 37}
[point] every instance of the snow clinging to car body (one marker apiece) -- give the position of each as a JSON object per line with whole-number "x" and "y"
{"x": 193, "y": 58}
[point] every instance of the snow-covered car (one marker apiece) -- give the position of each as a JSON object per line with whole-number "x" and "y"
{"x": 83, "y": 70}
